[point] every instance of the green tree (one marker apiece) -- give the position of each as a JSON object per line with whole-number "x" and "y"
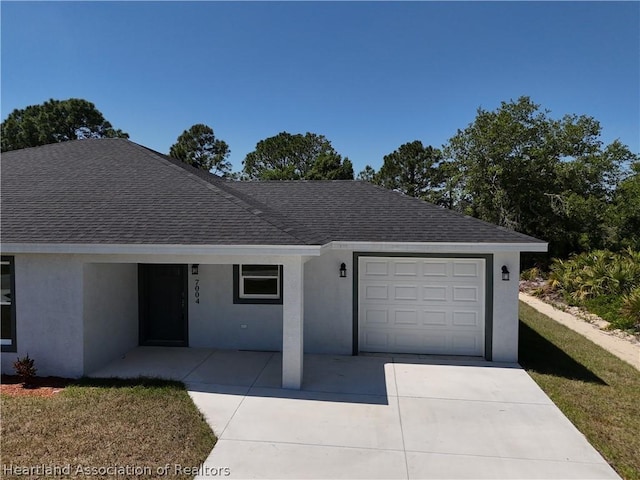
{"x": 198, "y": 146}
{"x": 522, "y": 169}
{"x": 418, "y": 171}
{"x": 55, "y": 121}
{"x": 296, "y": 157}
{"x": 331, "y": 167}
{"x": 625, "y": 209}
{"x": 413, "y": 170}
{"x": 368, "y": 175}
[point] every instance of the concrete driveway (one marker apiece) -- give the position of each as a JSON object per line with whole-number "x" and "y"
{"x": 377, "y": 417}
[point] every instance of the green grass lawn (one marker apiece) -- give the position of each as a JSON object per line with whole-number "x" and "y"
{"x": 597, "y": 391}
{"x": 105, "y": 423}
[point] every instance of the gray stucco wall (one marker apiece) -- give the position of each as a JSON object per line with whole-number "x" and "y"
{"x": 110, "y": 312}
{"x": 216, "y": 322}
{"x": 328, "y": 304}
{"x": 48, "y": 301}
{"x": 505, "y": 308}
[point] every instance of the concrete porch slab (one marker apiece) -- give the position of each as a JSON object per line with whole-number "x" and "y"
{"x": 171, "y": 363}
{"x": 227, "y": 367}
{"x": 361, "y": 375}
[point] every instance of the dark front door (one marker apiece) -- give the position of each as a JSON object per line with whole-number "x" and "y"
{"x": 163, "y": 308}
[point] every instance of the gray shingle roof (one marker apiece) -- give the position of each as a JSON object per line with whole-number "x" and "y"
{"x": 113, "y": 191}
{"x": 359, "y": 211}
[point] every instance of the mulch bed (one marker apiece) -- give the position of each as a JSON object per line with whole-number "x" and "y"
{"x": 40, "y": 386}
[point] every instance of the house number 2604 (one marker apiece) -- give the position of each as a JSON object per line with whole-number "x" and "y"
{"x": 197, "y": 290}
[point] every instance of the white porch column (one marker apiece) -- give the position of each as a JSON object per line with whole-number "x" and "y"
{"x": 292, "y": 323}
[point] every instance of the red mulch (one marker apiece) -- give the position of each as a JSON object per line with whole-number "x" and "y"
{"x": 40, "y": 386}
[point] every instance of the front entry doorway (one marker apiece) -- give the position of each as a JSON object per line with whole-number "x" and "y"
{"x": 163, "y": 304}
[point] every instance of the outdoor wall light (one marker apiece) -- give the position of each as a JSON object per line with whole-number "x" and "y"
{"x": 194, "y": 269}
{"x": 343, "y": 270}
{"x": 505, "y": 273}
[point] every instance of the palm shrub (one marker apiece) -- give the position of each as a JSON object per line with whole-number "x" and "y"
{"x": 631, "y": 307}
{"x": 532, "y": 273}
{"x": 600, "y": 279}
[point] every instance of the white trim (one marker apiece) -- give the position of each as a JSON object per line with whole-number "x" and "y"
{"x": 439, "y": 247}
{"x": 251, "y": 250}
{"x": 137, "y": 249}
{"x": 255, "y": 296}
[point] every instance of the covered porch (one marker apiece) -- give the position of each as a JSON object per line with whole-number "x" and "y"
{"x": 124, "y": 308}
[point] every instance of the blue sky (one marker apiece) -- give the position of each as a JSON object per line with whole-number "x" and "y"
{"x": 368, "y": 76}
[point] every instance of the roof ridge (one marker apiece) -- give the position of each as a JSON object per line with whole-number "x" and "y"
{"x": 65, "y": 142}
{"x": 260, "y": 210}
{"x": 303, "y": 232}
{"x": 304, "y": 180}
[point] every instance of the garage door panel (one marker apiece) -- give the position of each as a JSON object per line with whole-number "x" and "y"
{"x": 377, "y": 341}
{"x": 466, "y": 319}
{"x": 434, "y": 293}
{"x": 434, "y": 317}
{"x": 376, "y": 292}
{"x": 376, "y": 268}
{"x": 466, "y": 269}
{"x": 435, "y": 268}
{"x": 405, "y": 292}
{"x": 406, "y": 342}
{"x": 464, "y": 343}
{"x": 405, "y": 317}
{"x": 425, "y": 306}
{"x": 435, "y": 343}
{"x": 405, "y": 269}
{"x": 466, "y": 294}
{"x": 376, "y": 317}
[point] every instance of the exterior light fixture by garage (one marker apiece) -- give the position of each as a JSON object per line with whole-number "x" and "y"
{"x": 343, "y": 270}
{"x": 194, "y": 269}
{"x": 505, "y": 273}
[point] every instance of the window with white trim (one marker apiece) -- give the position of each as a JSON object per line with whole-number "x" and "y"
{"x": 7, "y": 305}
{"x": 257, "y": 284}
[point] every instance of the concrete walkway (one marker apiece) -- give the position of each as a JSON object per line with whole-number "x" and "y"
{"x": 623, "y": 349}
{"x": 366, "y": 417}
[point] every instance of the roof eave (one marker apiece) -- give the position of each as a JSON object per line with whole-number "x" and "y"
{"x": 441, "y": 247}
{"x": 152, "y": 249}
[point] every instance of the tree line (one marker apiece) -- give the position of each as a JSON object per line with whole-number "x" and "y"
{"x": 515, "y": 166}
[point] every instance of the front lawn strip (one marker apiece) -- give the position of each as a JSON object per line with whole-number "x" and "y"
{"x": 101, "y": 423}
{"x": 598, "y": 392}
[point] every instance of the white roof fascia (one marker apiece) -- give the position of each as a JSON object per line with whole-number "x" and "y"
{"x": 258, "y": 250}
{"x": 439, "y": 247}
{"x": 138, "y": 249}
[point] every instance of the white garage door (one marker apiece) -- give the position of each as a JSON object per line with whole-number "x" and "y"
{"x": 422, "y": 305}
